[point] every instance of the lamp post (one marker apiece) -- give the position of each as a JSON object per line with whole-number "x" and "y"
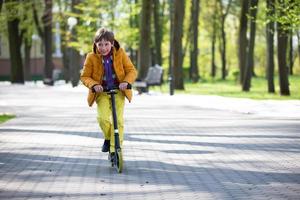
{"x": 72, "y": 21}
{"x": 35, "y": 38}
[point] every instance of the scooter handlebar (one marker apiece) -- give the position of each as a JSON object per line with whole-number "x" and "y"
{"x": 129, "y": 86}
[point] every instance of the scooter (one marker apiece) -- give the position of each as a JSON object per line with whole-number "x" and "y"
{"x": 116, "y": 159}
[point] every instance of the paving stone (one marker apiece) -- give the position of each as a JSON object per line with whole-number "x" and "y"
{"x": 174, "y": 148}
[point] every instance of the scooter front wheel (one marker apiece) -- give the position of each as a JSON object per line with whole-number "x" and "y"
{"x": 119, "y": 160}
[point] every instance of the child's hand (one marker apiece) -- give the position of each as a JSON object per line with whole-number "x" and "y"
{"x": 98, "y": 88}
{"x": 123, "y": 86}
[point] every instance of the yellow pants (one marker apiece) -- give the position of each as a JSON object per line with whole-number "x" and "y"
{"x": 105, "y": 119}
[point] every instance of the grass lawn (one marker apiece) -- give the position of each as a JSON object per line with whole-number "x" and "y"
{"x": 232, "y": 88}
{"x": 5, "y": 117}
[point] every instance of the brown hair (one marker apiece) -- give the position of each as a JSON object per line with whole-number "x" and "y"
{"x": 103, "y": 33}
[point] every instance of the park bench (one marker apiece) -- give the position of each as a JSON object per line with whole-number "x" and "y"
{"x": 154, "y": 77}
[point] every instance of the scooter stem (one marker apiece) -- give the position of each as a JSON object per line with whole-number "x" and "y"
{"x": 115, "y": 123}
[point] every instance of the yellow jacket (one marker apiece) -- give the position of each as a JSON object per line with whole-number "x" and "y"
{"x": 93, "y": 72}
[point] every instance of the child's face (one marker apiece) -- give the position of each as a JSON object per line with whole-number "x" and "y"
{"x": 104, "y": 47}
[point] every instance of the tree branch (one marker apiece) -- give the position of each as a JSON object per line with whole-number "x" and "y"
{"x": 36, "y": 21}
{"x": 228, "y": 7}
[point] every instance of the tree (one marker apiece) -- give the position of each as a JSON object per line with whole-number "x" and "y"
{"x": 171, "y": 14}
{"x": 158, "y": 30}
{"x": 28, "y": 28}
{"x": 289, "y": 18}
{"x": 286, "y": 14}
{"x": 281, "y": 55}
{"x": 145, "y": 30}
{"x": 223, "y": 36}
{"x": 171, "y": 47}
{"x": 290, "y": 52}
{"x": 62, "y": 19}
{"x": 243, "y": 44}
{"x": 298, "y": 38}
{"x": 19, "y": 29}
{"x": 270, "y": 47}
{"x": 47, "y": 21}
{"x": 15, "y": 36}
{"x": 27, "y": 48}
{"x": 134, "y": 25}
{"x": 177, "y": 44}
{"x": 213, "y": 39}
{"x": 250, "y": 53}
{"x": 75, "y": 56}
{"x": 194, "y": 72}
{"x": 46, "y": 34}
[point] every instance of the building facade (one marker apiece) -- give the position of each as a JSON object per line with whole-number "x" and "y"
{"x": 37, "y": 61}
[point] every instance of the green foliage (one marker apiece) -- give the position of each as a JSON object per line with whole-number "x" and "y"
{"x": 6, "y": 117}
{"x": 231, "y": 88}
{"x": 287, "y": 12}
{"x": 23, "y": 12}
{"x": 122, "y": 17}
{"x": 93, "y": 14}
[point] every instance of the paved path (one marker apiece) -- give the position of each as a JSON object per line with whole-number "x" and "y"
{"x": 175, "y": 147}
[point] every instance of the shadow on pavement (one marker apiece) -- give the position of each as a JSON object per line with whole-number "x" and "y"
{"x": 37, "y": 169}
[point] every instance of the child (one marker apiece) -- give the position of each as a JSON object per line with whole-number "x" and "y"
{"x": 106, "y": 67}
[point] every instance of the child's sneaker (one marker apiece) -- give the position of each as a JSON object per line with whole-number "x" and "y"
{"x": 106, "y": 145}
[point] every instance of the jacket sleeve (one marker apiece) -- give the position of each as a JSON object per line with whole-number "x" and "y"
{"x": 87, "y": 71}
{"x": 130, "y": 71}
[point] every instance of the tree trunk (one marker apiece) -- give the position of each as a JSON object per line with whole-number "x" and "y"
{"x": 270, "y": 48}
{"x": 171, "y": 11}
{"x": 145, "y": 31}
{"x": 223, "y": 36}
{"x": 47, "y": 21}
{"x": 291, "y": 57}
{"x": 137, "y": 22}
{"x": 152, "y": 54}
{"x": 14, "y": 40}
{"x": 223, "y": 50}
{"x": 157, "y": 32}
{"x": 171, "y": 47}
{"x": 283, "y": 70}
{"x": 75, "y": 55}
{"x": 177, "y": 42}
{"x": 281, "y": 55}
{"x": 213, "y": 52}
{"x": 243, "y": 39}
{"x": 1, "y": 3}
{"x": 223, "y": 41}
{"x": 249, "y": 58}
{"x": 63, "y": 44}
{"x": 75, "y": 67}
{"x": 65, "y": 55}
{"x": 213, "y": 43}
{"x": 27, "y": 64}
{"x": 194, "y": 40}
{"x": 66, "y": 63}
{"x": 298, "y": 38}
